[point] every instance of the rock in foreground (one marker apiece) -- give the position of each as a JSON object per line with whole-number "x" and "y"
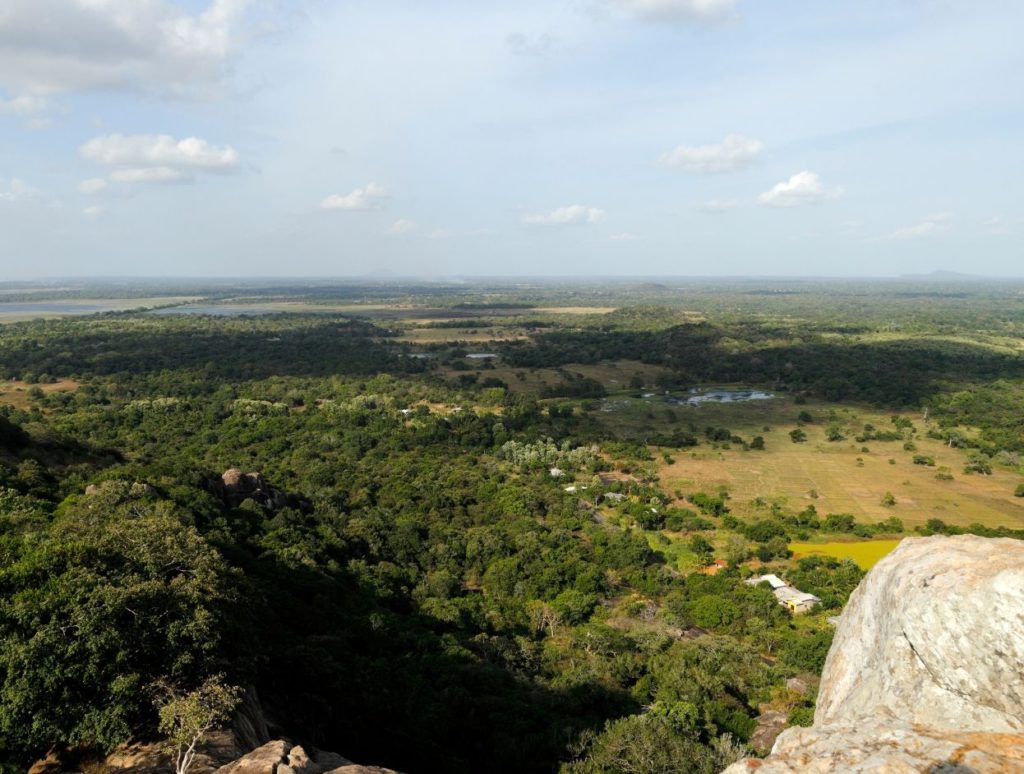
{"x": 926, "y": 672}
{"x": 281, "y": 757}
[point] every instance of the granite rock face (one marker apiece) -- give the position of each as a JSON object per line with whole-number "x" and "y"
{"x": 281, "y": 757}
{"x": 926, "y": 672}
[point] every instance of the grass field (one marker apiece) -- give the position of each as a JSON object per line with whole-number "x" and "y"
{"x": 16, "y": 393}
{"x": 866, "y": 553}
{"x": 837, "y": 477}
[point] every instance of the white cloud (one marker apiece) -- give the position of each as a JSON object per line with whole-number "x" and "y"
{"x": 572, "y": 215}
{"x": 625, "y": 236}
{"x": 93, "y": 211}
{"x": 63, "y": 46}
{"x": 367, "y": 198}
{"x": 149, "y": 175}
{"x": 734, "y": 152}
{"x": 155, "y": 158}
{"x": 801, "y": 188}
{"x": 25, "y": 106}
{"x": 16, "y": 190}
{"x": 92, "y": 185}
{"x": 439, "y": 233}
{"x": 932, "y": 225}
{"x": 402, "y": 226}
{"x": 718, "y": 205}
{"x": 681, "y": 10}
{"x": 159, "y": 150}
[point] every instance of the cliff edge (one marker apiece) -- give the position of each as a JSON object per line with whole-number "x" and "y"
{"x": 926, "y": 672}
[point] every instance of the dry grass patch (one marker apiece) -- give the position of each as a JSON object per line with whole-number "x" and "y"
{"x": 838, "y": 477}
{"x": 16, "y": 393}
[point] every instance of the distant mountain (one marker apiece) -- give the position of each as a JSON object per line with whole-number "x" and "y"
{"x": 944, "y": 275}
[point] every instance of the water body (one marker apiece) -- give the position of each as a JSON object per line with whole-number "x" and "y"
{"x": 24, "y": 308}
{"x": 696, "y": 398}
{"x": 221, "y": 310}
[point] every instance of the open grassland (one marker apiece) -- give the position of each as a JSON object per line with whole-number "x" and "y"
{"x": 836, "y": 477}
{"x": 16, "y": 393}
{"x": 866, "y": 553}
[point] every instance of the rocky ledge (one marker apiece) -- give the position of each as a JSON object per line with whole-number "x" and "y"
{"x": 281, "y": 757}
{"x": 926, "y": 672}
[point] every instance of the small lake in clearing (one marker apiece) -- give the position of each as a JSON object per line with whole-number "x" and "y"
{"x": 698, "y": 397}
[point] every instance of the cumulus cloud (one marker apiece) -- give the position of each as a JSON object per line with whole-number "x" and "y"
{"x": 932, "y": 225}
{"x": 802, "y": 188}
{"x": 575, "y": 214}
{"x": 155, "y": 158}
{"x": 705, "y": 11}
{"x": 369, "y": 197}
{"x": 64, "y": 46}
{"x": 149, "y": 175}
{"x": 402, "y": 226}
{"x": 734, "y": 152}
{"x": 161, "y": 150}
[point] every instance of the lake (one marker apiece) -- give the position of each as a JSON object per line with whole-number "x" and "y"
{"x": 696, "y": 398}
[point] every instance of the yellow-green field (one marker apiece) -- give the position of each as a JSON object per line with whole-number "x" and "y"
{"x": 866, "y": 553}
{"x": 16, "y": 393}
{"x": 837, "y": 477}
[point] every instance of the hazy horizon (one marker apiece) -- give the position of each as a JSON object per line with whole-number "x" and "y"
{"x": 596, "y": 138}
{"x": 940, "y": 276}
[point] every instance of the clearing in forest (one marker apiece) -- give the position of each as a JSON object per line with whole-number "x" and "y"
{"x": 839, "y": 476}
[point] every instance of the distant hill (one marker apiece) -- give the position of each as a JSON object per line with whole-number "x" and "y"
{"x": 943, "y": 275}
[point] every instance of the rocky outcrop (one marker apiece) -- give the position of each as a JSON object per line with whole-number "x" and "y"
{"x": 926, "y": 672}
{"x": 235, "y": 487}
{"x": 281, "y": 757}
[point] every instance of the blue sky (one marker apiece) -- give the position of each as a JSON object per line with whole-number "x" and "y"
{"x": 586, "y": 137}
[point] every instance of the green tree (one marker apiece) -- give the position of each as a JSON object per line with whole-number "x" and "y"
{"x": 186, "y": 719}
{"x": 105, "y": 606}
{"x": 703, "y": 549}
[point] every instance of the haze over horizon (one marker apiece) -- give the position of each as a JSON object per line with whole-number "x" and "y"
{"x": 643, "y": 138}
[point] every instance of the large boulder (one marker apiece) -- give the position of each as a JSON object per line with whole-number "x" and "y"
{"x": 262, "y": 760}
{"x": 235, "y": 487}
{"x": 926, "y": 672}
{"x": 281, "y": 757}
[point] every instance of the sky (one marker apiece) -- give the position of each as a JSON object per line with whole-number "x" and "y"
{"x": 353, "y": 138}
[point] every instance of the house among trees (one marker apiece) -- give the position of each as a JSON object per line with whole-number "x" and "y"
{"x": 797, "y": 601}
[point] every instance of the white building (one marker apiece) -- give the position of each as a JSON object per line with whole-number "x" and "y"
{"x": 790, "y": 597}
